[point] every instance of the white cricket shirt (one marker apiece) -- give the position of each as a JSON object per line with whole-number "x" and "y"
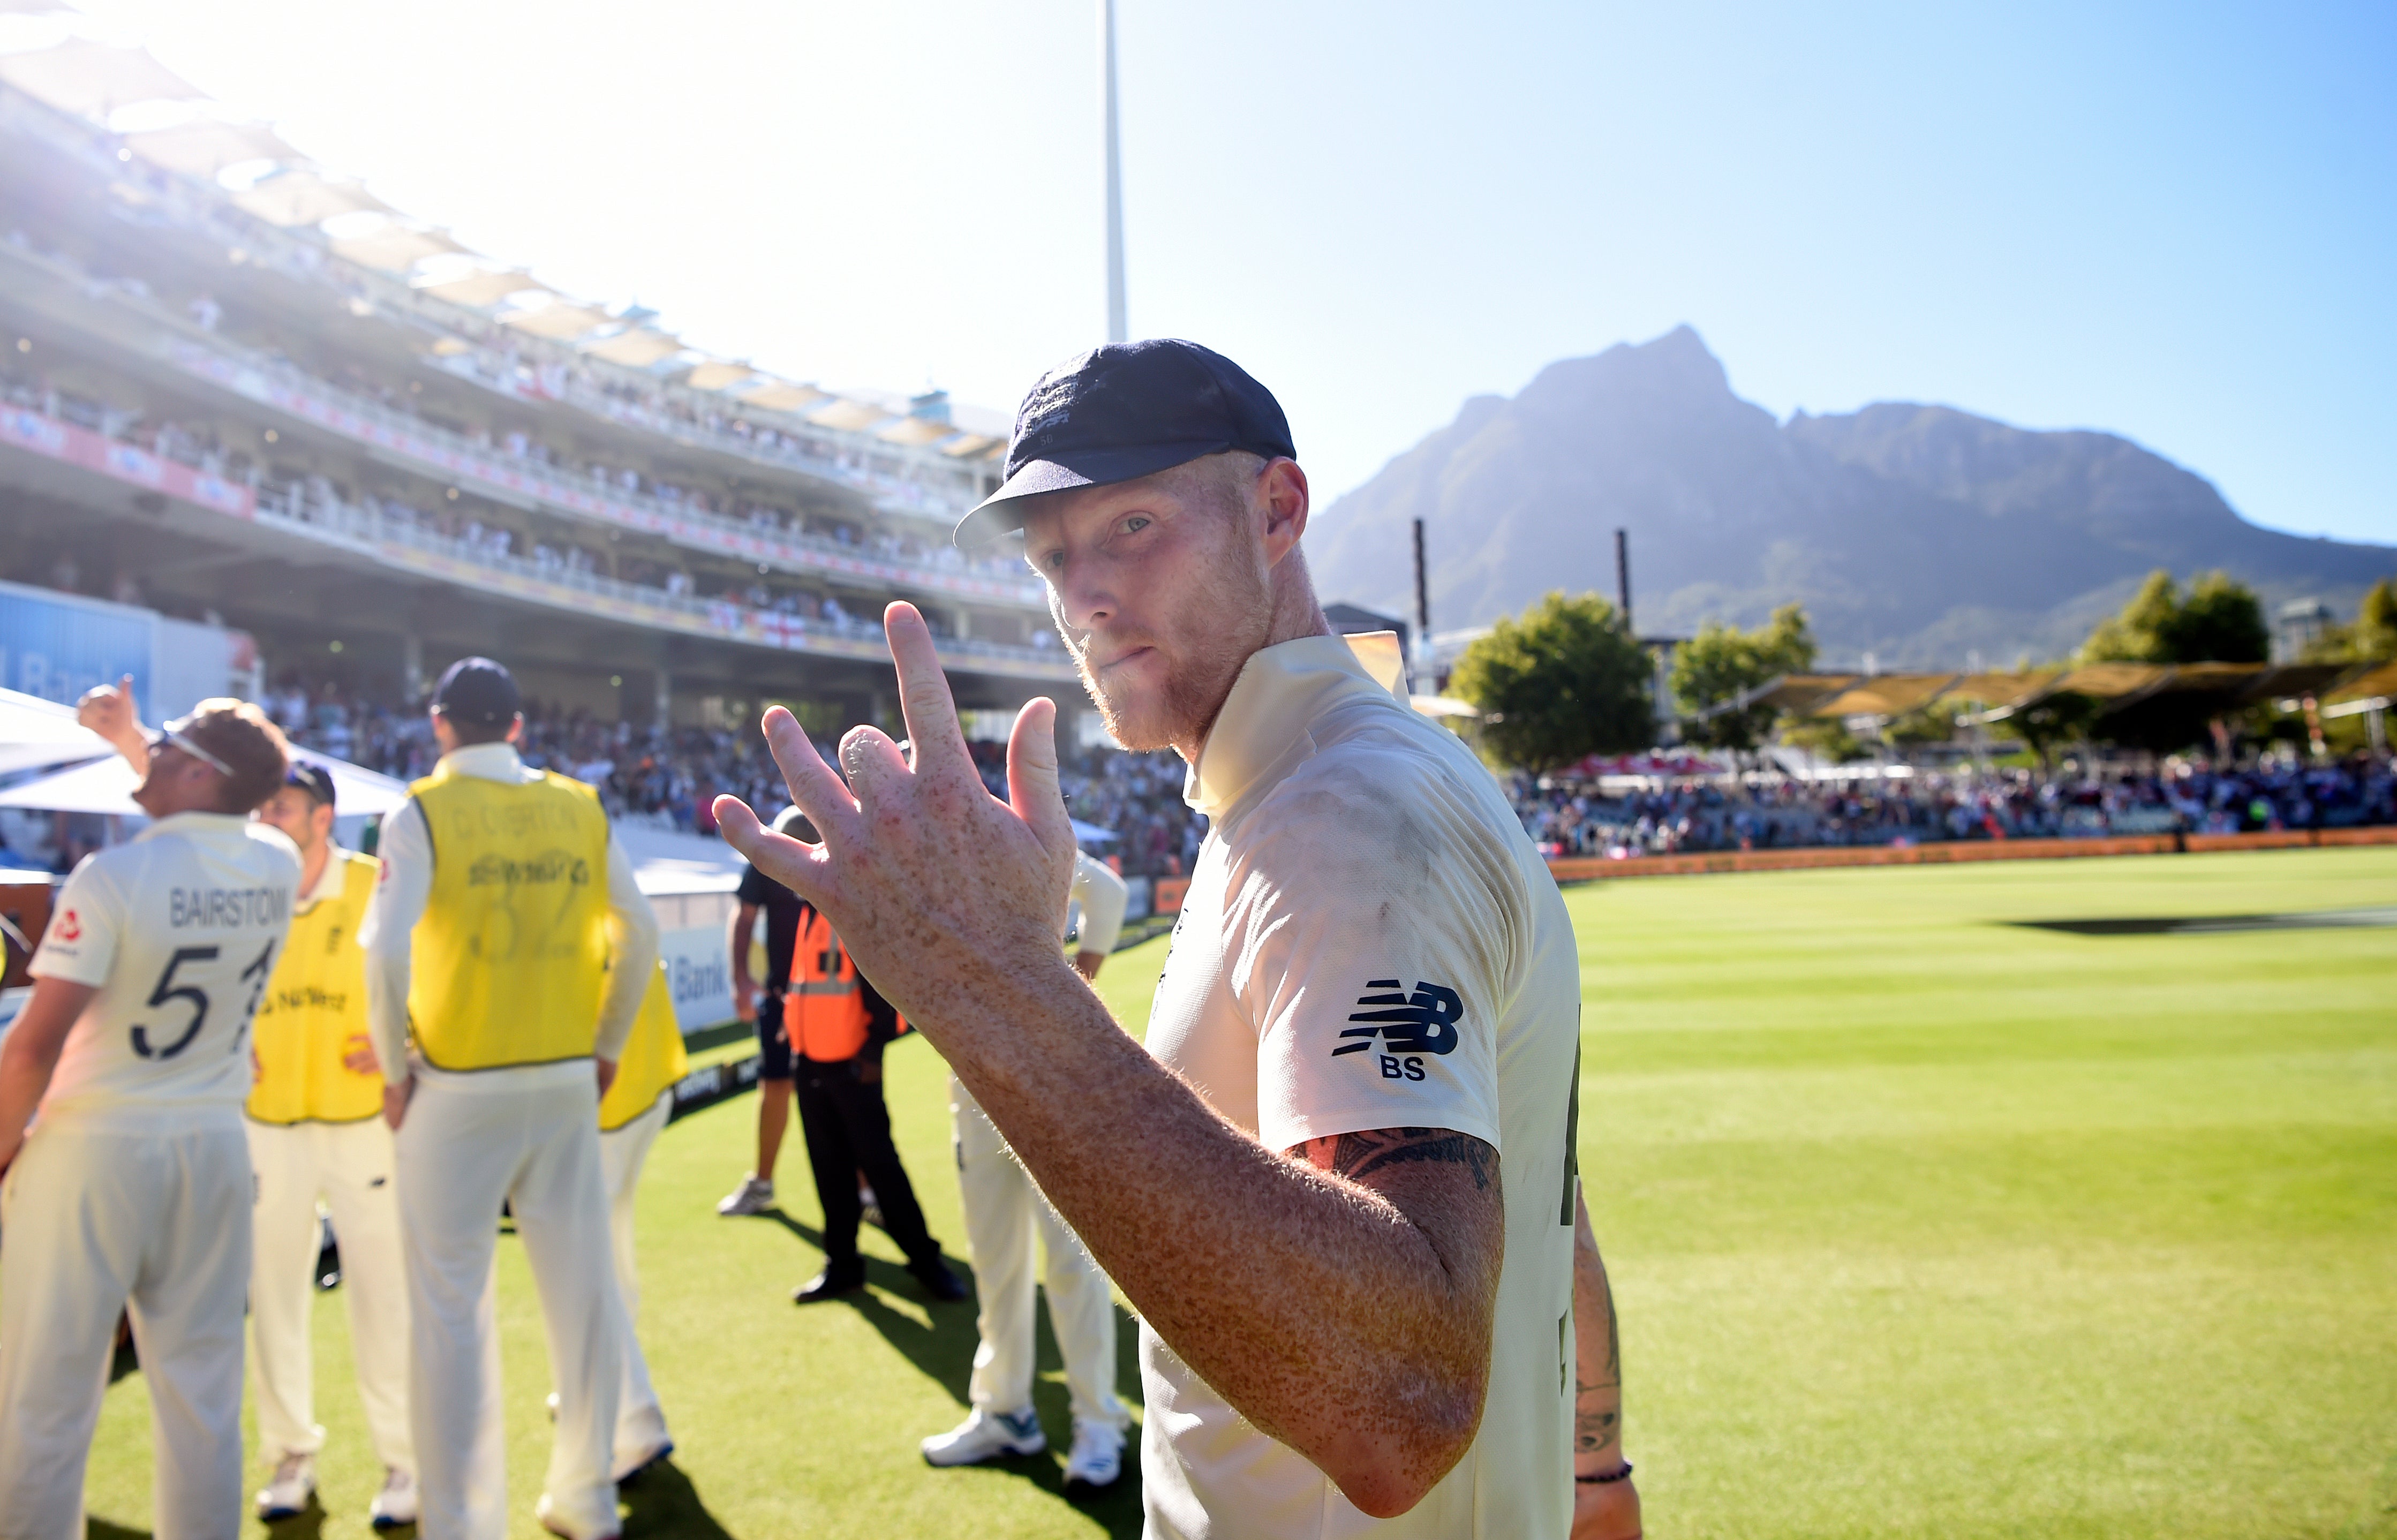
{"x": 177, "y": 929}
{"x": 1371, "y": 942}
{"x": 1095, "y": 905}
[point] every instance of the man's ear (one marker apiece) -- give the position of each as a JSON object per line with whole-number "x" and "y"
{"x": 1281, "y": 487}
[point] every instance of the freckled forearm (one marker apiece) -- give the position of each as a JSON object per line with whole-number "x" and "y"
{"x": 1316, "y": 1307}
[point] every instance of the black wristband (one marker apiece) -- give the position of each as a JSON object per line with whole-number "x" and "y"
{"x": 1623, "y": 1475}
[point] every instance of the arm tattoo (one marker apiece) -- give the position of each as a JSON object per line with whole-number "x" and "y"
{"x": 1357, "y": 1155}
{"x": 1598, "y": 1404}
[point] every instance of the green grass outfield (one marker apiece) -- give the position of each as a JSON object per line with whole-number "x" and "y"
{"x": 1922, "y": 1225}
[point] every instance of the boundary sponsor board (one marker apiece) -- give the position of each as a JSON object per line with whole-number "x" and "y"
{"x": 698, "y": 975}
{"x": 57, "y": 645}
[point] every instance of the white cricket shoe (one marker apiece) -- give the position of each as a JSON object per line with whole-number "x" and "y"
{"x": 287, "y": 1495}
{"x": 986, "y": 1436}
{"x": 751, "y": 1197}
{"x": 396, "y": 1503}
{"x": 1096, "y": 1459}
{"x": 547, "y": 1515}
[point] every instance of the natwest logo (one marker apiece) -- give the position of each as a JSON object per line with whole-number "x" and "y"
{"x": 1408, "y": 1024}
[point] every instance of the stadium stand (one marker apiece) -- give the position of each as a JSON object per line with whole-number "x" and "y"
{"x": 241, "y": 389}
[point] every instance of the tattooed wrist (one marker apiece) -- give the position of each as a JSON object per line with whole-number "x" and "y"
{"x": 1596, "y": 1431}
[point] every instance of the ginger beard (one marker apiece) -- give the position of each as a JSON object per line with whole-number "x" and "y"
{"x": 1209, "y": 617}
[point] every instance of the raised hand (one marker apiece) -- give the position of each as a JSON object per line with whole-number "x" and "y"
{"x": 935, "y": 885}
{"x": 109, "y": 711}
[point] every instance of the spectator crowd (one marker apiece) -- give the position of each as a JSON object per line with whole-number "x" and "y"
{"x": 669, "y": 778}
{"x": 1764, "y": 812}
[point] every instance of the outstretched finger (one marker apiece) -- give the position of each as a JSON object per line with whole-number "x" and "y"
{"x": 801, "y": 867}
{"x": 924, "y": 691}
{"x": 1032, "y": 788}
{"x": 814, "y": 789}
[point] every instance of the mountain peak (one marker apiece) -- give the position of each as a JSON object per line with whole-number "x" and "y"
{"x": 1917, "y": 532}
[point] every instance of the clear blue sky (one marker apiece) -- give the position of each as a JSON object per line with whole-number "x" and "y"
{"x": 2178, "y": 223}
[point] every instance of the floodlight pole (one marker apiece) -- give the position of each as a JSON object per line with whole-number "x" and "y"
{"x": 1117, "y": 329}
{"x": 1423, "y": 615}
{"x": 1622, "y": 580}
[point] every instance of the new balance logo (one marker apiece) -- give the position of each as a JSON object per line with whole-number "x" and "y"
{"x": 1422, "y": 1023}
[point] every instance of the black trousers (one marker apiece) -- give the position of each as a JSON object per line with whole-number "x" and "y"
{"x": 847, "y": 1130}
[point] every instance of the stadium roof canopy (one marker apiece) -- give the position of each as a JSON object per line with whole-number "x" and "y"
{"x": 480, "y": 287}
{"x": 561, "y": 320}
{"x": 916, "y": 430}
{"x": 303, "y": 195}
{"x": 850, "y": 415}
{"x": 635, "y": 348}
{"x": 204, "y": 146}
{"x": 2378, "y": 682}
{"x": 394, "y": 246}
{"x": 2113, "y": 686}
{"x": 1997, "y": 689}
{"x": 170, "y": 122}
{"x": 780, "y": 395}
{"x": 93, "y": 79}
{"x": 1886, "y": 695}
{"x": 718, "y": 374}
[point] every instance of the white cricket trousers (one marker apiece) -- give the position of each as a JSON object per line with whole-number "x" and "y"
{"x": 349, "y": 1166}
{"x": 99, "y": 1217}
{"x": 1003, "y": 1206}
{"x": 640, "y": 1422}
{"x": 529, "y": 1135}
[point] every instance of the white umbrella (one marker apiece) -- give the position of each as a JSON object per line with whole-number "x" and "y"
{"x": 106, "y": 786}
{"x": 35, "y": 732}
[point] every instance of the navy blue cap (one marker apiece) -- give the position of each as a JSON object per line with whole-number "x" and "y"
{"x": 1124, "y": 411}
{"x": 315, "y": 780}
{"x": 478, "y": 690}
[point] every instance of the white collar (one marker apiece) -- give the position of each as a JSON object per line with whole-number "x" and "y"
{"x": 1265, "y": 721}
{"x": 329, "y": 880}
{"x": 485, "y": 761}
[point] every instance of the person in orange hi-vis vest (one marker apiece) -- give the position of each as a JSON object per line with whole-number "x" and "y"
{"x": 837, "y": 1025}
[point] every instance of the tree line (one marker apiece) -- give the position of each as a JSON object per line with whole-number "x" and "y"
{"x": 1566, "y": 680}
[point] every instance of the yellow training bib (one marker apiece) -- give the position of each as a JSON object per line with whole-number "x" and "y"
{"x": 511, "y": 956}
{"x": 654, "y": 1058}
{"x": 315, "y": 1012}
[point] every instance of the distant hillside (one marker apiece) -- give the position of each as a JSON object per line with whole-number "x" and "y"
{"x": 1918, "y": 534}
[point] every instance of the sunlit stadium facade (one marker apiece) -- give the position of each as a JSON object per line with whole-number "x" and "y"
{"x": 240, "y": 389}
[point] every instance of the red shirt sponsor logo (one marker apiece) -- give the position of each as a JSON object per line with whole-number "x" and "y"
{"x": 68, "y": 927}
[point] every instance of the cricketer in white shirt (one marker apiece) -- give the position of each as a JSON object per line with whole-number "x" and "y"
{"x": 132, "y": 1192}
{"x": 1370, "y": 942}
{"x": 1004, "y": 1210}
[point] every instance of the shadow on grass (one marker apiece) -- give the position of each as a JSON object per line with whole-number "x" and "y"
{"x": 101, "y": 1529}
{"x": 309, "y": 1523}
{"x": 661, "y": 1502}
{"x": 944, "y": 1352}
